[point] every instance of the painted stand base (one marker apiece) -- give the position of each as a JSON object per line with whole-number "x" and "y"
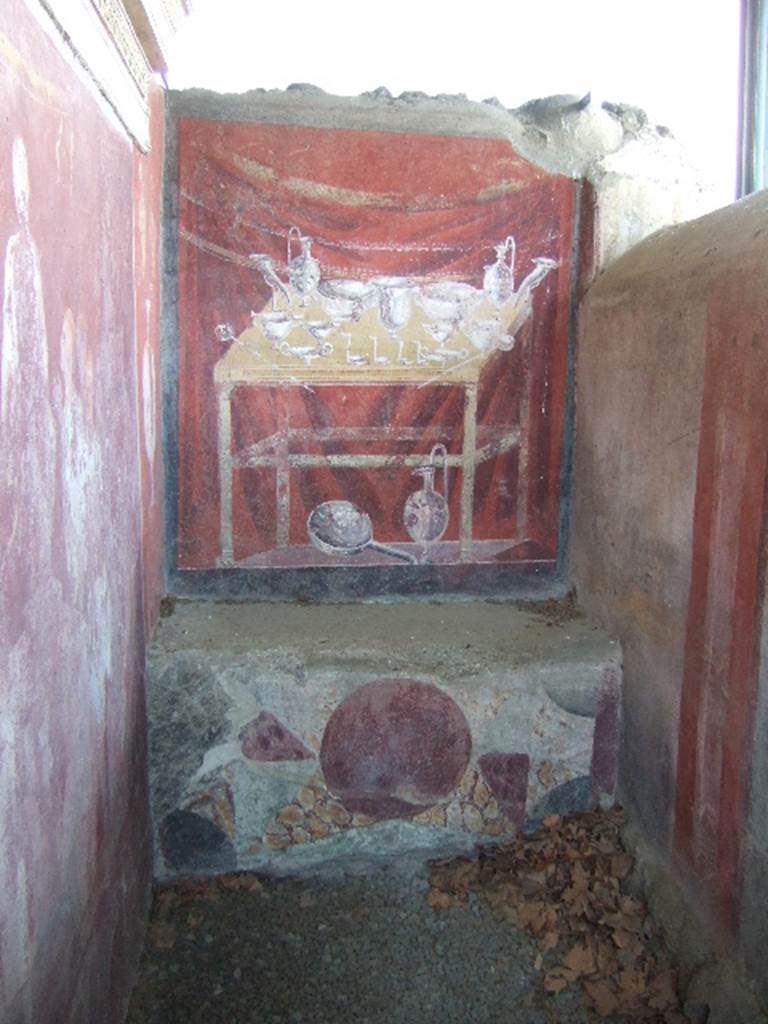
{"x": 290, "y": 739}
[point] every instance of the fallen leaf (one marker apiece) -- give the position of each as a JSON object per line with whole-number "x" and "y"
{"x": 580, "y": 959}
{"x": 549, "y": 941}
{"x": 564, "y": 884}
{"x": 631, "y": 984}
{"x": 579, "y": 876}
{"x": 162, "y": 935}
{"x": 440, "y": 900}
{"x": 533, "y": 915}
{"x": 603, "y": 999}
{"x": 558, "y": 978}
{"x": 663, "y": 990}
{"x": 632, "y": 906}
{"x": 546, "y": 775}
{"x": 606, "y": 958}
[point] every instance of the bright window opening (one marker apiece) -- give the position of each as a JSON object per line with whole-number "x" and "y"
{"x": 678, "y": 61}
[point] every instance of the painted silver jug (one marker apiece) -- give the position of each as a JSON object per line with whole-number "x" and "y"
{"x": 303, "y": 269}
{"x": 499, "y": 277}
{"x": 425, "y": 515}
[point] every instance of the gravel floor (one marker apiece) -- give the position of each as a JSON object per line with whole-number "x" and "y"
{"x": 363, "y": 949}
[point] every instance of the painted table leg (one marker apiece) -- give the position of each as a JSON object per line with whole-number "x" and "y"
{"x": 468, "y": 473}
{"x": 226, "y": 556}
{"x": 283, "y": 494}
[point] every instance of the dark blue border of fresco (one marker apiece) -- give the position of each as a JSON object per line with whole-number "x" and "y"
{"x": 334, "y": 583}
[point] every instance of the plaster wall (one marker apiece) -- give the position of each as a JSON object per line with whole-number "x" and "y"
{"x": 79, "y": 544}
{"x": 668, "y": 535}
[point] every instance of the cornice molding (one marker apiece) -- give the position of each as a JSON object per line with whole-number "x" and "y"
{"x": 120, "y": 28}
{"x": 119, "y": 43}
{"x": 156, "y": 23}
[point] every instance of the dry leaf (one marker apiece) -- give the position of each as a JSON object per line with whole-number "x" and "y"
{"x": 162, "y": 935}
{"x": 580, "y": 959}
{"x": 533, "y": 915}
{"x": 631, "y": 984}
{"x": 632, "y": 906}
{"x": 579, "y": 876}
{"x": 564, "y": 884}
{"x": 603, "y": 999}
{"x": 621, "y": 865}
{"x": 558, "y": 978}
{"x": 663, "y": 990}
{"x": 546, "y": 775}
{"x": 550, "y": 941}
{"x": 439, "y": 900}
{"x": 578, "y": 900}
{"x": 606, "y": 958}
{"x": 165, "y": 900}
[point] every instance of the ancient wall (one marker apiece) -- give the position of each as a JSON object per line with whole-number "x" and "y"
{"x": 79, "y": 488}
{"x": 668, "y": 532}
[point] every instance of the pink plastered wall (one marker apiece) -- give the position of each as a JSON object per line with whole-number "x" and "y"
{"x": 669, "y": 547}
{"x": 79, "y": 532}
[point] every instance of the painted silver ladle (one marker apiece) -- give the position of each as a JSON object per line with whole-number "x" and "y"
{"x": 341, "y": 528}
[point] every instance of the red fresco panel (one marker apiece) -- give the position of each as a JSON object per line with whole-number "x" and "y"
{"x": 431, "y": 209}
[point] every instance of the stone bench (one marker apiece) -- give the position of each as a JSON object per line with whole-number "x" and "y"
{"x": 293, "y": 739}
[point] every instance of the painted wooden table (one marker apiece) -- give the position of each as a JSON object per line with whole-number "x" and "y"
{"x": 360, "y": 354}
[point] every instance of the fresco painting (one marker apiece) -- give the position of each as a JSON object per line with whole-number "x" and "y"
{"x": 373, "y": 347}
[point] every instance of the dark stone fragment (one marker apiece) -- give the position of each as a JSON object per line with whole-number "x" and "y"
{"x": 265, "y": 738}
{"x": 192, "y": 843}
{"x": 605, "y": 750}
{"x": 507, "y": 778}
{"x": 394, "y": 748}
{"x": 572, "y": 796}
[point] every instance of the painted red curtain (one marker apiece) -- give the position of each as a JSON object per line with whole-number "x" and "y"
{"x": 429, "y": 207}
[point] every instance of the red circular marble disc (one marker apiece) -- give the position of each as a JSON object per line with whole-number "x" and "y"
{"x": 394, "y": 748}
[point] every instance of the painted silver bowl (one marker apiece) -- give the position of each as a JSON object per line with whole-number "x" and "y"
{"x": 448, "y": 300}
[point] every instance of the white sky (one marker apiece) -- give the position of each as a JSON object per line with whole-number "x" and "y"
{"x": 678, "y": 59}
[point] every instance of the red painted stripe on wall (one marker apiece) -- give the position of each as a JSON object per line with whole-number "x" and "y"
{"x": 720, "y": 668}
